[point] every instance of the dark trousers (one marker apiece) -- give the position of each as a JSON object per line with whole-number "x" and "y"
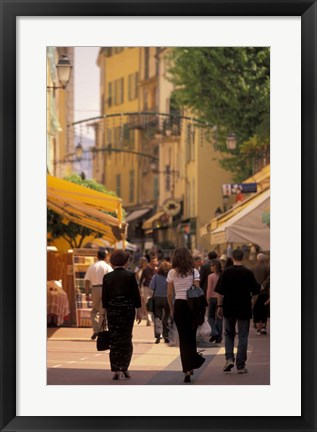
{"x": 260, "y": 310}
{"x": 187, "y": 336}
{"x": 161, "y": 314}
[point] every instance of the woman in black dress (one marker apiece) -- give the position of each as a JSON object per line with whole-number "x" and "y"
{"x": 181, "y": 277}
{"x": 121, "y": 299}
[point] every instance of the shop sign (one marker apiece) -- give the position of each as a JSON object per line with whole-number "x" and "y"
{"x": 171, "y": 207}
{"x": 237, "y": 188}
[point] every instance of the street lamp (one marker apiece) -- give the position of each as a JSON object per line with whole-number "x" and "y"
{"x": 79, "y": 152}
{"x": 64, "y": 69}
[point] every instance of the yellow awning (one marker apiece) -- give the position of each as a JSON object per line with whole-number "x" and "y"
{"x": 86, "y": 207}
{"x": 221, "y": 220}
{"x": 262, "y": 179}
{"x": 148, "y": 224}
{"x": 247, "y": 225}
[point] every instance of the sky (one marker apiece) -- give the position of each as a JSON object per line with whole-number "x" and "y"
{"x": 87, "y": 78}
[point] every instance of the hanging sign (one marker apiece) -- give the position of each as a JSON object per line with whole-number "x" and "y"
{"x": 237, "y": 188}
{"x": 171, "y": 207}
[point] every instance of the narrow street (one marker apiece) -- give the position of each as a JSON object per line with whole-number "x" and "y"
{"x": 72, "y": 359}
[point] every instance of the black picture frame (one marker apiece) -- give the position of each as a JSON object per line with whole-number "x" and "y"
{"x": 9, "y": 11}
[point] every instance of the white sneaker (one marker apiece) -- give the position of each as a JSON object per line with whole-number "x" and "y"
{"x": 258, "y": 333}
{"x": 228, "y": 366}
{"x": 242, "y": 371}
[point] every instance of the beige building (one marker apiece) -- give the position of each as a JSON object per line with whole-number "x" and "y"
{"x": 60, "y": 113}
{"x": 190, "y": 176}
{"x": 158, "y": 160}
{"x": 124, "y": 144}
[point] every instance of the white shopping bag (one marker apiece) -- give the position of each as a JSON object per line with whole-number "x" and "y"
{"x": 204, "y": 330}
{"x": 173, "y": 335}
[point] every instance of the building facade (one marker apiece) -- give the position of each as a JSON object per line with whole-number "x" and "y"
{"x": 60, "y": 113}
{"x": 157, "y": 157}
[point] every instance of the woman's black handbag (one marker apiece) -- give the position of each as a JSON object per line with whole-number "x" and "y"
{"x": 197, "y": 303}
{"x": 103, "y": 339}
{"x": 150, "y": 304}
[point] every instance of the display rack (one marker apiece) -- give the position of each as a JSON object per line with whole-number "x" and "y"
{"x": 82, "y": 259}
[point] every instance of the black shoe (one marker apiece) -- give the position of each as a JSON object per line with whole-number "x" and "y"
{"x": 93, "y": 337}
{"x": 126, "y": 374}
{"x": 116, "y": 376}
{"x": 158, "y": 340}
{"x": 212, "y": 339}
{"x": 200, "y": 360}
{"x": 166, "y": 340}
{"x": 218, "y": 341}
{"x": 187, "y": 379}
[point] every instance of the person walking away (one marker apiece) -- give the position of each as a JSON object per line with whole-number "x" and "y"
{"x": 198, "y": 262}
{"x": 93, "y": 283}
{"x": 122, "y": 301}
{"x": 179, "y": 279}
{"x": 223, "y": 260}
{"x": 214, "y": 321}
{"x": 260, "y": 311}
{"x": 238, "y": 291}
{"x": 145, "y": 279}
{"x": 205, "y": 270}
{"x": 161, "y": 311}
{"x": 142, "y": 263}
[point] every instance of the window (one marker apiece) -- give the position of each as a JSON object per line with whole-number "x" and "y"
{"x": 118, "y": 91}
{"x": 118, "y": 185}
{"x": 133, "y": 86}
{"x": 154, "y": 98}
{"x": 110, "y": 96}
{"x": 128, "y": 136}
{"x": 131, "y": 186}
{"x": 156, "y": 189}
{"x": 157, "y": 61}
{"x": 168, "y": 178}
{"x": 188, "y": 143}
{"x": 117, "y": 137}
{"x": 146, "y": 62}
{"x": 109, "y": 136}
{"x": 145, "y": 100}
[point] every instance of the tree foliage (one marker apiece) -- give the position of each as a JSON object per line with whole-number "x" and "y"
{"x": 72, "y": 232}
{"x": 230, "y": 88}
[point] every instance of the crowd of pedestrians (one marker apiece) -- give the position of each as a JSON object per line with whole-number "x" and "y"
{"x": 233, "y": 293}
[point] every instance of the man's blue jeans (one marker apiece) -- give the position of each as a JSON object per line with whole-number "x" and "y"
{"x": 243, "y": 333}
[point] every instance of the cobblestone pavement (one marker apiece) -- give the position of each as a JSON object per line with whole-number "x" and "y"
{"x": 72, "y": 359}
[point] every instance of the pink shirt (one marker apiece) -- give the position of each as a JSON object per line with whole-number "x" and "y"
{"x": 212, "y": 282}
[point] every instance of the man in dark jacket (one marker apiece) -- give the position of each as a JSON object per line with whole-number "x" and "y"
{"x": 205, "y": 270}
{"x": 238, "y": 291}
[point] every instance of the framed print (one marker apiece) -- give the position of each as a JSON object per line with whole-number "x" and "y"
{"x": 27, "y": 28}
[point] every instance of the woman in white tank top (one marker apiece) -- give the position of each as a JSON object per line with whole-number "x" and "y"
{"x": 182, "y": 275}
